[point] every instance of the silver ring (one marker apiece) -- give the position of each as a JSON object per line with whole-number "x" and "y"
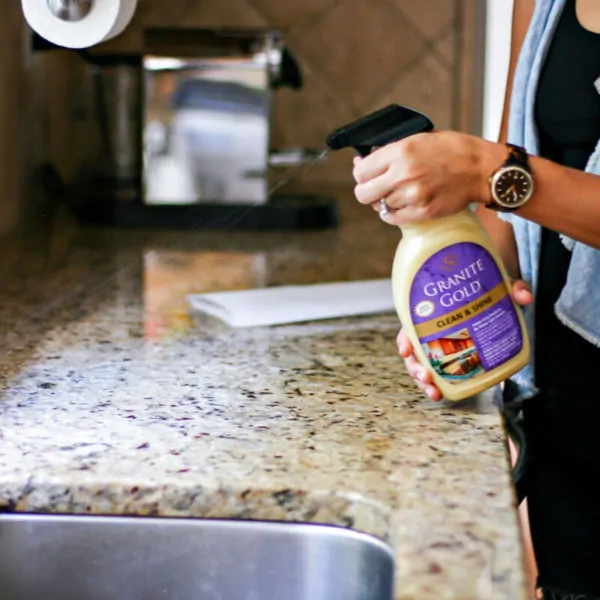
{"x": 384, "y": 209}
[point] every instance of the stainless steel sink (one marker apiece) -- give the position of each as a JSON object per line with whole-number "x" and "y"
{"x": 45, "y": 557}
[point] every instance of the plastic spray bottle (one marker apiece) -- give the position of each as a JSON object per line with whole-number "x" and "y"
{"x": 451, "y": 290}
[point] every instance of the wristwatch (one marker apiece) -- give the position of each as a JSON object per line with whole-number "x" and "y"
{"x": 511, "y": 185}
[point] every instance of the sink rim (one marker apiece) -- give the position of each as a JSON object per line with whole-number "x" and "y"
{"x": 295, "y": 526}
{"x": 303, "y": 560}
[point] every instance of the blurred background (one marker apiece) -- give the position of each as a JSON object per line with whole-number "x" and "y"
{"x": 446, "y": 58}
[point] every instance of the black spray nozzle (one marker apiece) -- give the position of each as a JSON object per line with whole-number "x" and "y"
{"x": 382, "y": 127}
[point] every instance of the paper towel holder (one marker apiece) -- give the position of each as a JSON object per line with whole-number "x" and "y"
{"x": 111, "y": 188}
{"x": 70, "y": 10}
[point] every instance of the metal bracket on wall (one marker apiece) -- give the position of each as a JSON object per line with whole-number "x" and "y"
{"x": 70, "y": 10}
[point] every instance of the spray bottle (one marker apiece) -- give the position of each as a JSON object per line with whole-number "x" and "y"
{"x": 451, "y": 290}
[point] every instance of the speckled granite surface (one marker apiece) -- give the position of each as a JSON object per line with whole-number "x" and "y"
{"x": 114, "y": 399}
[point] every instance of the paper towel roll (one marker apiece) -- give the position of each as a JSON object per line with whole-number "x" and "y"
{"x": 106, "y": 19}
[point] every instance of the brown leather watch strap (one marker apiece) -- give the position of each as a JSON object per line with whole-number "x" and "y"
{"x": 517, "y": 156}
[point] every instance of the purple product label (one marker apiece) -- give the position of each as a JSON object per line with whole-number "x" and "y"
{"x": 463, "y": 314}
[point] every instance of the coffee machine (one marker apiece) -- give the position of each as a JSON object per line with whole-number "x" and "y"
{"x": 185, "y": 130}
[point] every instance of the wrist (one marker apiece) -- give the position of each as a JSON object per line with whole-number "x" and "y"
{"x": 490, "y": 157}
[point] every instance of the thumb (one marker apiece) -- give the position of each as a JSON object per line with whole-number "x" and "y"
{"x": 521, "y": 292}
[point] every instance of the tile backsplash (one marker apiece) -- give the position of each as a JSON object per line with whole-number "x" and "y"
{"x": 34, "y": 118}
{"x": 13, "y": 80}
{"x": 355, "y": 57}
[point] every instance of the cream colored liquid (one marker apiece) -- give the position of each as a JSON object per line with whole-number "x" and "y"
{"x": 452, "y": 294}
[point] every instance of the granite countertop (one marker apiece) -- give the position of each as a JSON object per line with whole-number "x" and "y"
{"x": 115, "y": 399}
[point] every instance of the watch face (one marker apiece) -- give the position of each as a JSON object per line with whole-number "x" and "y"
{"x": 512, "y": 186}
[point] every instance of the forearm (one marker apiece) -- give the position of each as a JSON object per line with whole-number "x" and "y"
{"x": 565, "y": 200}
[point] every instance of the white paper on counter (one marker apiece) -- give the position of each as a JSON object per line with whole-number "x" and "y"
{"x": 294, "y": 304}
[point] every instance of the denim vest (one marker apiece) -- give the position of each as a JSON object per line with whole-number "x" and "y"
{"x": 578, "y": 306}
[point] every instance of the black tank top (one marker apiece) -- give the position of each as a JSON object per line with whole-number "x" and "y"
{"x": 564, "y": 421}
{"x": 568, "y": 121}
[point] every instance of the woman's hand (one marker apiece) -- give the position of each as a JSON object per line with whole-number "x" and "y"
{"x": 427, "y": 175}
{"x": 521, "y": 294}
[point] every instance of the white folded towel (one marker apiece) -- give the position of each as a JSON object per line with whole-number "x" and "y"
{"x": 293, "y": 304}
